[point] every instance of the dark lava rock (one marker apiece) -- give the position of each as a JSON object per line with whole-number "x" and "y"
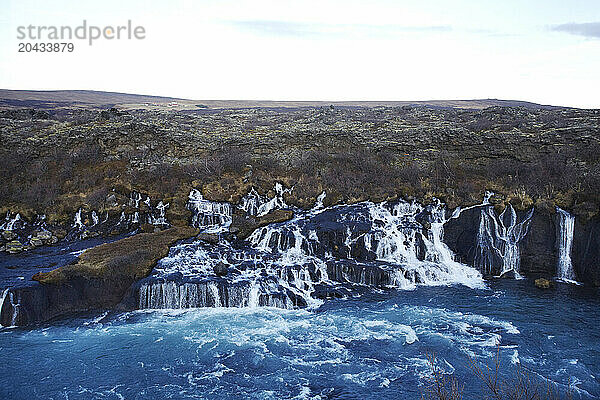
{"x": 243, "y": 226}
{"x": 586, "y": 251}
{"x": 211, "y": 238}
{"x": 329, "y": 292}
{"x": 221, "y": 269}
{"x": 111, "y": 114}
{"x": 24, "y": 114}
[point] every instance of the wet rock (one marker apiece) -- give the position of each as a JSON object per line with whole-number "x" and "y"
{"x": 586, "y": 251}
{"x": 9, "y": 235}
{"x": 220, "y": 269}
{"x": 14, "y": 247}
{"x": 98, "y": 279}
{"x": 243, "y": 226}
{"x": 53, "y": 240}
{"x": 44, "y": 235}
{"x": 328, "y": 292}
{"x": 36, "y": 242}
{"x": 211, "y": 238}
{"x": 543, "y": 283}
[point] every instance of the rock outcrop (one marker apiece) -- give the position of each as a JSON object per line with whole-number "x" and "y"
{"x": 538, "y": 249}
{"x": 97, "y": 280}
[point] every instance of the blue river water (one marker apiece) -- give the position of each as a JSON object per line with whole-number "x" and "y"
{"x": 371, "y": 346}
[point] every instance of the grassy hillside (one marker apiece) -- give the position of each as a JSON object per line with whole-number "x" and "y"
{"x": 61, "y": 159}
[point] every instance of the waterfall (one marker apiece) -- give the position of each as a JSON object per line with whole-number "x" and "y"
{"x": 95, "y": 219}
{"x": 498, "y": 238}
{"x": 299, "y": 262}
{"x": 77, "y": 221}
{"x": 566, "y": 227}
{"x": 319, "y": 203}
{"x": 208, "y": 215}
{"x": 10, "y": 224}
{"x": 40, "y": 221}
{"x": 3, "y": 297}
{"x": 486, "y": 201}
{"x": 257, "y": 205}
{"x": 176, "y": 295}
{"x": 134, "y": 199}
{"x": 251, "y": 202}
{"x": 158, "y": 217}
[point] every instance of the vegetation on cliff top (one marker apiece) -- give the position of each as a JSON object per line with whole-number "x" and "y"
{"x": 126, "y": 260}
{"x": 58, "y": 162}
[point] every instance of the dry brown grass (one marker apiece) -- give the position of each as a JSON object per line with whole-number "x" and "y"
{"x": 522, "y": 385}
{"x": 131, "y": 258}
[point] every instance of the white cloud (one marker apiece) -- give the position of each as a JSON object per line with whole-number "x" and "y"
{"x": 326, "y": 50}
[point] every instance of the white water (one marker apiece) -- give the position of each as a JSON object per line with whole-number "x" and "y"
{"x": 131, "y": 219}
{"x": 319, "y": 203}
{"x": 77, "y": 221}
{"x": 209, "y": 215}
{"x": 498, "y": 241}
{"x": 9, "y": 223}
{"x": 257, "y": 205}
{"x": 161, "y": 218}
{"x": 285, "y": 262}
{"x": 566, "y": 228}
{"x": 397, "y": 242}
{"x": 134, "y": 199}
{"x": 95, "y": 219}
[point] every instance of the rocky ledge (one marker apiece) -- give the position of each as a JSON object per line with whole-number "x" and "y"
{"x": 97, "y": 280}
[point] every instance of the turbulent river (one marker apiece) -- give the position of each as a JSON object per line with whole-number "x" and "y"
{"x": 344, "y": 302}
{"x": 372, "y": 345}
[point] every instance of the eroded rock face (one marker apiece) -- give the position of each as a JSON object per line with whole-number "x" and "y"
{"x": 460, "y": 234}
{"x": 243, "y": 225}
{"x": 586, "y": 251}
{"x": 98, "y": 280}
{"x": 539, "y": 247}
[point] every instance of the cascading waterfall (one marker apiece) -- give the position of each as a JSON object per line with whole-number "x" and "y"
{"x": 319, "y": 203}
{"x": 419, "y": 255}
{"x": 78, "y": 222}
{"x": 257, "y": 205}
{"x": 134, "y": 199}
{"x": 566, "y": 228}
{"x": 159, "y": 217}
{"x": 10, "y": 224}
{"x": 298, "y": 262}
{"x": 498, "y": 240}
{"x": 95, "y": 219}
{"x": 208, "y": 214}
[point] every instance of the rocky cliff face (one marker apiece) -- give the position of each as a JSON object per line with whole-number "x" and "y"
{"x": 539, "y": 248}
{"x": 586, "y": 251}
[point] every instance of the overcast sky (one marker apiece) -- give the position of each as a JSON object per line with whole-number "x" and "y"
{"x": 546, "y": 51}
